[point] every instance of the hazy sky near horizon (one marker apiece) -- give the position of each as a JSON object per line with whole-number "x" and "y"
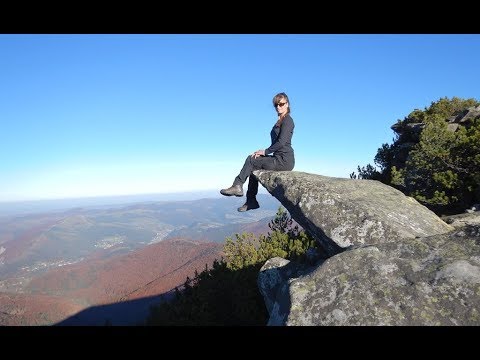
{"x": 115, "y": 114}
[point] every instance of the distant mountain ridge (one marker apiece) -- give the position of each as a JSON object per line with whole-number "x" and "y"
{"x": 37, "y": 242}
{"x": 12, "y": 208}
{"x": 130, "y": 255}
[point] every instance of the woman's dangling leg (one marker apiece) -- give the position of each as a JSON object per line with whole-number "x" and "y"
{"x": 264, "y": 162}
{"x": 237, "y": 187}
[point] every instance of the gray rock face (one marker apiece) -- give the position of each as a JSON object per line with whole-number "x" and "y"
{"x": 390, "y": 261}
{"x": 425, "y": 281}
{"x": 341, "y": 212}
{"x": 273, "y": 276}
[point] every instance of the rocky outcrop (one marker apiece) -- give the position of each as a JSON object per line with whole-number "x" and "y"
{"x": 463, "y": 118}
{"x": 341, "y": 212}
{"x": 422, "y": 271}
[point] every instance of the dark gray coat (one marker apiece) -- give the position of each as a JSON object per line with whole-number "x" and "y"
{"x": 282, "y": 142}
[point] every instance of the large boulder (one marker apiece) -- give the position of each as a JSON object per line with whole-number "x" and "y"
{"x": 388, "y": 259}
{"x": 433, "y": 280}
{"x": 340, "y": 212}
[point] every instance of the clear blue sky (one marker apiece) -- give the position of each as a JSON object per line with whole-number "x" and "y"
{"x": 88, "y": 115}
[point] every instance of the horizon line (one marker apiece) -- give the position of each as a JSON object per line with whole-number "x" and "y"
{"x": 91, "y": 197}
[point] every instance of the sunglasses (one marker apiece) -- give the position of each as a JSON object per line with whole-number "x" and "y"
{"x": 280, "y": 104}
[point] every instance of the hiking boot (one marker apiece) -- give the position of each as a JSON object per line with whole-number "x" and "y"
{"x": 249, "y": 205}
{"x": 232, "y": 190}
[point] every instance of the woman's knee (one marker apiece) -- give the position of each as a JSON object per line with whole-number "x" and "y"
{"x": 248, "y": 160}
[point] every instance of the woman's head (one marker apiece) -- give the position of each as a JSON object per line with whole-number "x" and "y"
{"x": 281, "y": 103}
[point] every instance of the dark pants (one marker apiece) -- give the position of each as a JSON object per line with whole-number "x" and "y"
{"x": 261, "y": 162}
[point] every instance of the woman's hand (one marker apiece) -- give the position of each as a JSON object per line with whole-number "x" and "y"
{"x": 258, "y": 153}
